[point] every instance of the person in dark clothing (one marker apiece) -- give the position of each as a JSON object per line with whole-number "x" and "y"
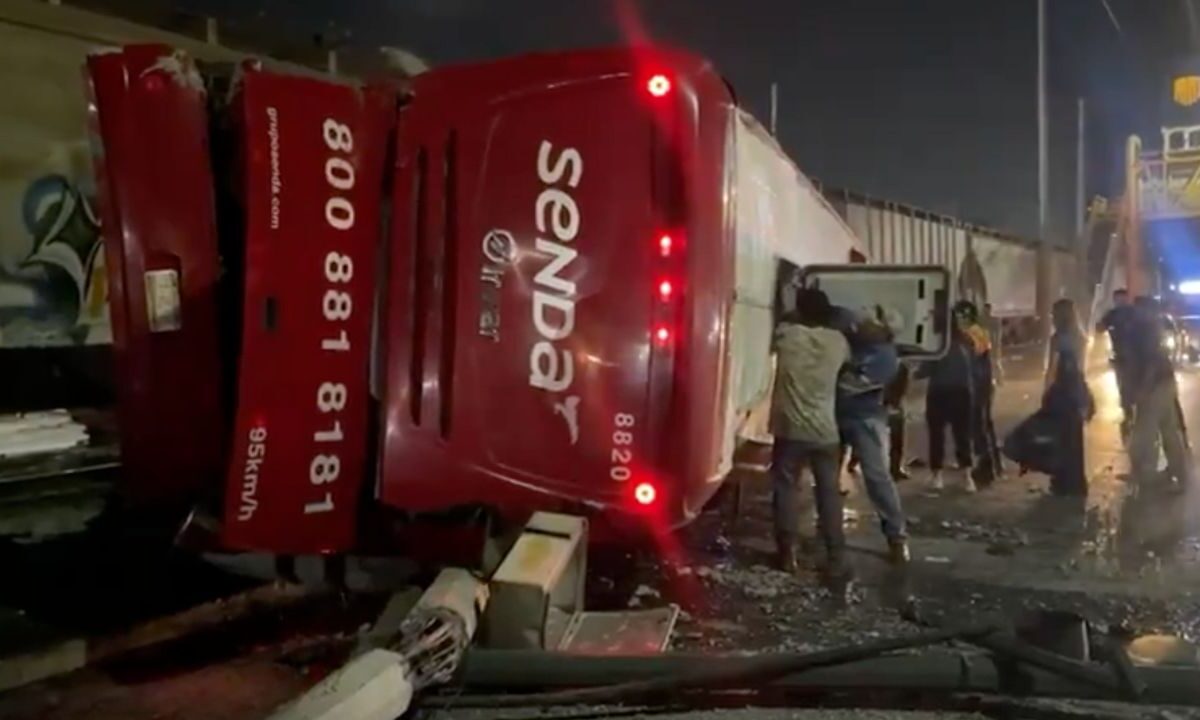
{"x": 948, "y": 402}
{"x": 995, "y": 330}
{"x": 1068, "y": 398}
{"x": 1118, "y": 323}
{"x": 1155, "y": 398}
{"x": 893, "y": 400}
{"x": 983, "y": 429}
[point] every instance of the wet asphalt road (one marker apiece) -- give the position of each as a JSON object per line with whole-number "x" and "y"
{"x": 1129, "y": 561}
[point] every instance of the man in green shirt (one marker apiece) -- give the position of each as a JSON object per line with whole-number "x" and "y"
{"x": 810, "y": 355}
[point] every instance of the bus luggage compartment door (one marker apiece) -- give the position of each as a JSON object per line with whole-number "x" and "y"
{"x": 314, "y": 154}
{"x": 149, "y": 126}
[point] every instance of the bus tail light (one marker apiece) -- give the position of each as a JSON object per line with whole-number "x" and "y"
{"x": 658, "y": 85}
{"x": 665, "y": 244}
{"x": 645, "y": 494}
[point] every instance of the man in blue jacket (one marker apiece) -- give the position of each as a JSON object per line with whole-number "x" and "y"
{"x": 863, "y": 420}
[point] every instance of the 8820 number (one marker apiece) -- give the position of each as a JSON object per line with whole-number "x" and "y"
{"x": 622, "y": 447}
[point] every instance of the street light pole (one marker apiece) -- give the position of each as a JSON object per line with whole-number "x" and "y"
{"x": 1080, "y": 169}
{"x": 774, "y": 107}
{"x": 1079, "y": 283}
{"x": 1043, "y": 139}
{"x": 1043, "y": 277}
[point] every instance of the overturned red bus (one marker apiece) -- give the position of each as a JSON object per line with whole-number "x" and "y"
{"x": 540, "y": 283}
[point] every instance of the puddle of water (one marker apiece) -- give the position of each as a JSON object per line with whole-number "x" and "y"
{"x": 1163, "y": 650}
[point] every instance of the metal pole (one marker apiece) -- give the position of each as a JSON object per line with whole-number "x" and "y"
{"x": 1080, "y": 169}
{"x": 1083, "y": 228}
{"x": 1132, "y": 235}
{"x": 1043, "y": 141}
{"x": 774, "y": 106}
{"x": 1044, "y": 259}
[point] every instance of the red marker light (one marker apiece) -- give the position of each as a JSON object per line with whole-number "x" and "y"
{"x": 662, "y": 335}
{"x": 645, "y": 494}
{"x": 665, "y": 289}
{"x": 664, "y": 244}
{"x": 659, "y": 85}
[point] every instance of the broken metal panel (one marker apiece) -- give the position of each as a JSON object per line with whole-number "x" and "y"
{"x": 621, "y": 633}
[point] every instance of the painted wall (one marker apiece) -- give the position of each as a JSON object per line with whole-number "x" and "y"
{"x": 52, "y": 282}
{"x": 53, "y": 290}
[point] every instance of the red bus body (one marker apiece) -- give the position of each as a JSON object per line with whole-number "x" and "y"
{"x": 511, "y": 288}
{"x": 532, "y": 358}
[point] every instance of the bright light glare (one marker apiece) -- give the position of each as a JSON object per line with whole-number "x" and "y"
{"x": 659, "y": 85}
{"x": 645, "y": 494}
{"x": 664, "y": 244}
{"x": 663, "y": 334}
{"x": 1190, "y": 287}
{"x": 665, "y": 289}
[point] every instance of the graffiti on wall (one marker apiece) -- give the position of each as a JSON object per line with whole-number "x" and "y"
{"x": 56, "y": 293}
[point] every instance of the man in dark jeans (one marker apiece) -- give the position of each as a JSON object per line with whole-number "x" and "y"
{"x": 810, "y": 356}
{"x": 948, "y": 402}
{"x": 862, "y": 421}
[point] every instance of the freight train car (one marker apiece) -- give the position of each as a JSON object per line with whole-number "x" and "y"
{"x": 988, "y": 265}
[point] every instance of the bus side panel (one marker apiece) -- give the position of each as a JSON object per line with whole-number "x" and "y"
{"x": 703, "y": 374}
{"x": 314, "y": 154}
{"x": 150, "y": 133}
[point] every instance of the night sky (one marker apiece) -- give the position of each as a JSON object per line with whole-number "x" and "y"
{"x": 930, "y": 102}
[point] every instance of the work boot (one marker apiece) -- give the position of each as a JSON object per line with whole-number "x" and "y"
{"x": 785, "y": 555}
{"x": 898, "y": 552}
{"x": 900, "y": 474}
